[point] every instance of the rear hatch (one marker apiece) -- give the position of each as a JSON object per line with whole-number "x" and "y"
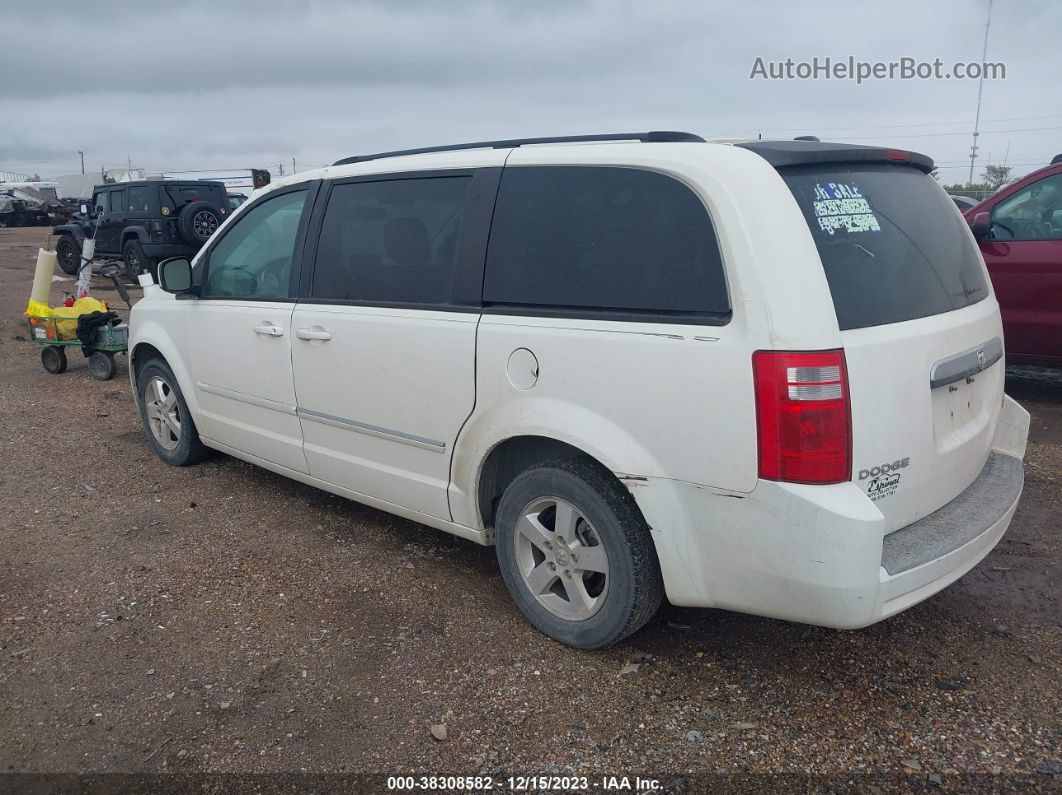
{"x": 921, "y": 330}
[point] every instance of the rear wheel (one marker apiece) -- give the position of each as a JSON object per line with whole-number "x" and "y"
{"x": 576, "y": 554}
{"x": 170, "y": 430}
{"x": 101, "y": 365}
{"x": 53, "y": 359}
{"x": 135, "y": 261}
{"x": 68, "y": 252}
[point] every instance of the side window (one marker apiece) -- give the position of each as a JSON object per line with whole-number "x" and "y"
{"x": 596, "y": 237}
{"x": 1033, "y": 213}
{"x": 99, "y": 202}
{"x": 139, "y": 202}
{"x": 117, "y": 201}
{"x": 390, "y": 241}
{"x": 253, "y": 259}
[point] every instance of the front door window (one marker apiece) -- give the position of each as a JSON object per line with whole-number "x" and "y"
{"x": 1034, "y": 213}
{"x": 253, "y": 259}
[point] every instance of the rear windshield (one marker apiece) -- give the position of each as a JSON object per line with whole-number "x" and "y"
{"x": 176, "y": 196}
{"x": 892, "y": 244}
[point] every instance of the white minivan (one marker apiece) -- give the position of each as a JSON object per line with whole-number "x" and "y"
{"x": 765, "y": 376}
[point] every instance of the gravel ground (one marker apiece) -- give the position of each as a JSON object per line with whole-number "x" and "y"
{"x": 221, "y": 619}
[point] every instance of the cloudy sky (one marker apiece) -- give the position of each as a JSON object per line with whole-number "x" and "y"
{"x": 220, "y": 84}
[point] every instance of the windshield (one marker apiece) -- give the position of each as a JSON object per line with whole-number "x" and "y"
{"x": 893, "y": 245}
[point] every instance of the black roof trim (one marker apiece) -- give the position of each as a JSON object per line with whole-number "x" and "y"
{"x": 149, "y": 182}
{"x": 654, "y": 136}
{"x": 800, "y": 153}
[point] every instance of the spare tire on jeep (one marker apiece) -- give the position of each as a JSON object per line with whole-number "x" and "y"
{"x": 197, "y": 222}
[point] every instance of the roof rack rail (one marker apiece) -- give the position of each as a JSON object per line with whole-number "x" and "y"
{"x": 654, "y": 136}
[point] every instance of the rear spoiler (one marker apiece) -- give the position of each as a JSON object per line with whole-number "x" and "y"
{"x": 801, "y": 153}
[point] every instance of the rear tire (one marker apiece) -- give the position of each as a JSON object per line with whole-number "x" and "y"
{"x": 168, "y": 424}
{"x": 136, "y": 262}
{"x": 576, "y": 554}
{"x": 68, "y": 252}
{"x": 101, "y": 365}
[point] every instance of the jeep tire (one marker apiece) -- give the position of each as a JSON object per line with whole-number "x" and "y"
{"x": 135, "y": 260}
{"x": 197, "y": 222}
{"x": 68, "y": 252}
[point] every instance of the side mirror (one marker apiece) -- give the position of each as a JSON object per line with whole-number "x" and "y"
{"x": 84, "y": 209}
{"x": 980, "y": 225}
{"x": 175, "y": 275}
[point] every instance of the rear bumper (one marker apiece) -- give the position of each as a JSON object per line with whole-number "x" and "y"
{"x": 930, "y": 554}
{"x": 819, "y": 554}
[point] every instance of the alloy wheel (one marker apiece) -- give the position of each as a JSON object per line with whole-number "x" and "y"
{"x": 561, "y": 558}
{"x": 205, "y": 223}
{"x": 163, "y": 412}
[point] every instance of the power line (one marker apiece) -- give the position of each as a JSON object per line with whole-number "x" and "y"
{"x": 961, "y": 132}
{"x": 814, "y": 128}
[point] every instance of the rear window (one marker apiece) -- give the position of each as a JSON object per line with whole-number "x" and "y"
{"x": 892, "y": 244}
{"x": 176, "y": 196}
{"x": 603, "y": 238}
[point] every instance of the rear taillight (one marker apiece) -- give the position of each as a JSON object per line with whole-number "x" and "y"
{"x": 803, "y": 416}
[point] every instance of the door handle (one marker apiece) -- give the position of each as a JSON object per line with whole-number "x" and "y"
{"x": 268, "y": 329}
{"x": 313, "y": 333}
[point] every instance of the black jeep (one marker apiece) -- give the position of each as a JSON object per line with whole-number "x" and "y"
{"x": 144, "y": 222}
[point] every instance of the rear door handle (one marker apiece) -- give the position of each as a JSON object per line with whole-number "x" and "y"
{"x": 269, "y": 329}
{"x": 313, "y": 333}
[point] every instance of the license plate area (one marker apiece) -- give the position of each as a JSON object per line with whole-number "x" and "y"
{"x": 960, "y": 411}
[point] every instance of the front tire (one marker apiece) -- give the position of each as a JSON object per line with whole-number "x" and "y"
{"x": 576, "y": 554}
{"x": 54, "y": 359}
{"x": 68, "y": 252}
{"x": 168, "y": 424}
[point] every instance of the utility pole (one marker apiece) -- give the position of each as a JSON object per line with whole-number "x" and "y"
{"x": 293, "y": 165}
{"x": 280, "y": 169}
{"x": 82, "y": 160}
{"x": 128, "y": 163}
{"x": 980, "y": 87}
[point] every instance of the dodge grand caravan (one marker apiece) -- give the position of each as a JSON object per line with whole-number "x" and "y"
{"x": 761, "y": 376}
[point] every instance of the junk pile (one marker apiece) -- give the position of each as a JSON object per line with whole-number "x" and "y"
{"x": 23, "y": 205}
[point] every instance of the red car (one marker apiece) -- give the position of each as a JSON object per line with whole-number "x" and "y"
{"x": 1019, "y": 230}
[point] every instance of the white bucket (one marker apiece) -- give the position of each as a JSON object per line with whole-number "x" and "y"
{"x": 42, "y": 276}
{"x": 84, "y": 274}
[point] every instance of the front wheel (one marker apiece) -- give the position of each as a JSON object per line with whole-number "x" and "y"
{"x": 170, "y": 430}
{"x": 576, "y": 554}
{"x": 68, "y": 252}
{"x": 54, "y": 359}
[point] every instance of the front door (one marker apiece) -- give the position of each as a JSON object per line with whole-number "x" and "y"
{"x": 239, "y": 332}
{"x": 384, "y": 351}
{"x": 111, "y": 223}
{"x": 1024, "y": 257}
